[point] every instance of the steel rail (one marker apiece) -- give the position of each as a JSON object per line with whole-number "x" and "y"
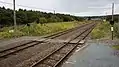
{"x": 35, "y": 64}
{"x": 24, "y": 46}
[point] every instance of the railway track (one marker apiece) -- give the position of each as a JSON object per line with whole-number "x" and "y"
{"x": 64, "y": 32}
{"x": 5, "y": 53}
{"x": 85, "y": 29}
{"x": 54, "y": 58}
{"x": 55, "y": 35}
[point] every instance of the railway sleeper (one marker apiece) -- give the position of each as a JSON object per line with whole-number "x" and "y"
{"x": 43, "y": 65}
{"x": 65, "y": 51}
{"x": 49, "y": 62}
{"x": 57, "y": 56}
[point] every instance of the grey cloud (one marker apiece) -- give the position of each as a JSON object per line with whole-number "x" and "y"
{"x": 84, "y": 5}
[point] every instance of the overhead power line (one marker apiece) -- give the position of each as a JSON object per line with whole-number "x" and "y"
{"x": 26, "y": 6}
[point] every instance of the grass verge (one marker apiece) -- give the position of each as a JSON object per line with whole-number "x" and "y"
{"x": 116, "y": 47}
{"x": 116, "y": 30}
{"x": 102, "y": 30}
{"x": 37, "y": 29}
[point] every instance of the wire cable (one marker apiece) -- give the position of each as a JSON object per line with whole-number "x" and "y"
{"x": 26, "y": 6}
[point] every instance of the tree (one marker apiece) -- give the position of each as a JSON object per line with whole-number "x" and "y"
{"x": 24, "y": 16}
{"x": 21, "y": 17}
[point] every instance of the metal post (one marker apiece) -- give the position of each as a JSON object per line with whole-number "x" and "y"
{"x": 112, "y": 18}
{"x": 15, "y": 25}
{"x": 112, "y": 35}
{"x": 112, "y": 29}
{"x": 118, "y": 19}
{"x": 112, "y": 11}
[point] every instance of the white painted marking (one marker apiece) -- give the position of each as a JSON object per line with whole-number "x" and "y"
{"x": 78, "y": 50}
{"x": 40, "y": 39}
{"x": 81, "y": 48}
{"x": 78, "y": 47}
{"x": 82, "y": 42}
{"x": 70, "y": 62}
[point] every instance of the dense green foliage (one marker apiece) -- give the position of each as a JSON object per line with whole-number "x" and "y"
{"x": 29, "y": 16}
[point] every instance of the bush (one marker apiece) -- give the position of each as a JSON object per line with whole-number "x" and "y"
{"x": 5, "y": 35}
{"x": 43, "y": 20}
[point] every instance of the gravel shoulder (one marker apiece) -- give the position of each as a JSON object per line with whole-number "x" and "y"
{"x": 6, "y": 42}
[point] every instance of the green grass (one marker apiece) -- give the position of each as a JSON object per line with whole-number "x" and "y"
{"x": 37, "y": 29}
{"x": 116, "y": 47}
{"x": 116, "y": 30}
{"x": 102, "y": 30}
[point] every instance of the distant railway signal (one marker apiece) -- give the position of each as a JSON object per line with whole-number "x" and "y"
{"x": 112, "y": 22}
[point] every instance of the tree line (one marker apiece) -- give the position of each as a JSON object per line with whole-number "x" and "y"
{"x": 106, "y": 17}
{"x": 24, "y": 16}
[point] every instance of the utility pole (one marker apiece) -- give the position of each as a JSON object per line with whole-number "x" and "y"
{"x": 112, "y": 11}
{"x": 15, "y": 25}
{"x": 118, "y": 19}
{"x": 106, "y": 16}
{"x": 54, "y": 11}
{"x": 112, "y": 21}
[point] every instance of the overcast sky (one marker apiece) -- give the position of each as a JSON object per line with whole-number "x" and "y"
{"x": 73, "y": 7}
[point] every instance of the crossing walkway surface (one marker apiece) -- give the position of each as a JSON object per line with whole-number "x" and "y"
{"x": 95, "y": 55}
